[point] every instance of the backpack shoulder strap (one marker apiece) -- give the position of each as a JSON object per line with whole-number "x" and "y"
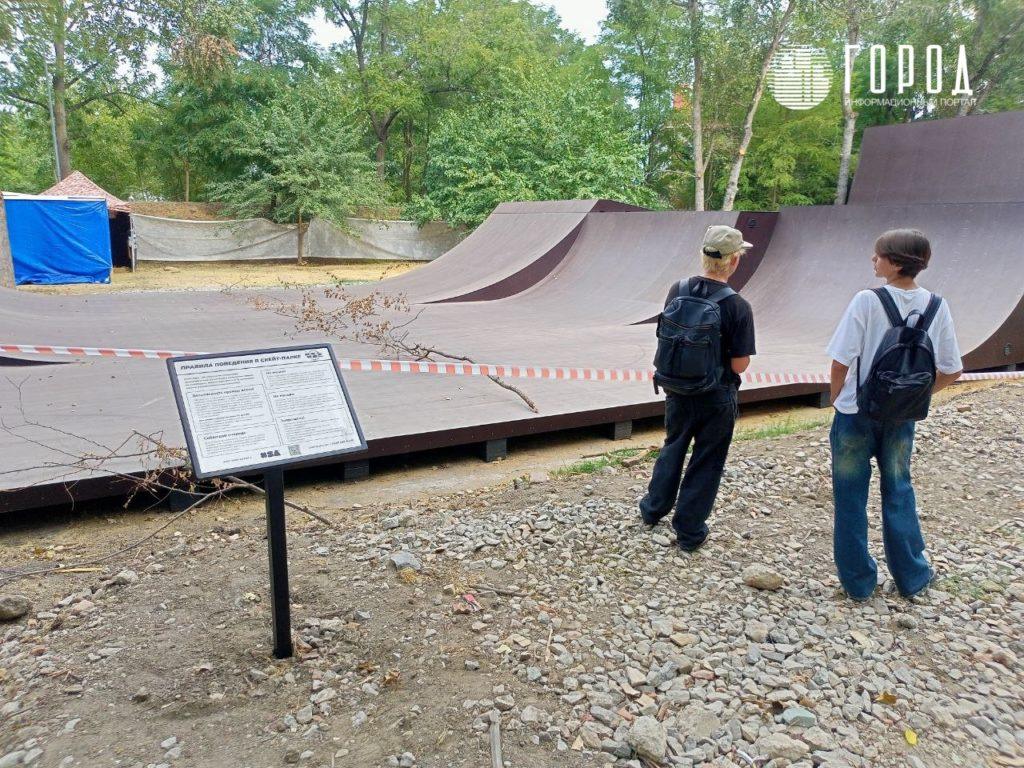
{"x": 930, "y": 311}
{"x": 721, "y": 294}
{"x": 893, "y": 313}
{"x": 684, "y": 288}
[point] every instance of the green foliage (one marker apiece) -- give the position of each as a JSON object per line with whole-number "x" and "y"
{"x": 94, "y": 50}
{"x": 452, "y": 107}
{"x": 538, "y": 140}
{"x": 611, "y": 459}
{"x": 645, "y": 44}
{"x": 26, "y": 154}
{"x": 299, "y": 158}
{"x": 793, "y": 159}
{"x": 110, "y": 151}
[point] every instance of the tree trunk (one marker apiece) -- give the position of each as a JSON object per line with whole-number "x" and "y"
{"x": 849, "y": 116}
{"x": 60, "y": 112}
{"x": 698, "y": 127}
{"x": 188, "y": 169}
{"x": 6, "y": 260}
{"x": 407, "y": 166}
{"x": 382, "y": 151}
{"x": 301, "y": 237}
{"x": 382, "y": 130}
{"x": 748, "y": 124}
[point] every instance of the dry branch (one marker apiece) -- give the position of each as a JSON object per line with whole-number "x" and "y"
{"x": 345, "y": 317}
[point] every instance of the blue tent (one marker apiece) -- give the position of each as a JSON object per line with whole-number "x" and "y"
{"x": 58, "y": 240}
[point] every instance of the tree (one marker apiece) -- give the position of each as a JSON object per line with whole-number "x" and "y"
{"x": 793, "y": 158}
{"x": 995, "y": 51}
{"x": 300, "y": 159}
{"x": 6, "y": 261}
{"x": 540, "y": 140}
{"x": 409, "y": 62}
{"x": 852, "y": 15}
{"x": 381, "y": 72}
{"x": 83, "y": 51}
{"x": 700, "y": 163}
{"x": 645, "y": 42}
{"x": 26, "y": 154}
{"x": 779, "y": 24}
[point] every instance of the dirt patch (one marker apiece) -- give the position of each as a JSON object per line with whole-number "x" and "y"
{"x": 217, "y": 275}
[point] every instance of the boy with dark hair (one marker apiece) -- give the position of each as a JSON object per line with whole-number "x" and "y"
{"x": 706, "y": 418}
{"x": 899, "y": 256}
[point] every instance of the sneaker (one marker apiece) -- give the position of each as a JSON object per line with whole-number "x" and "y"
{"x": 859, "y": 599}
{"x": 648, "y": 523}
{"x": 920, "y": 593}
{"x": 685, "y": 548}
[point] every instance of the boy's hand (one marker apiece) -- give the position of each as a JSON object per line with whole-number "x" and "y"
{"x": 837, "y": 377}
{"x": 943, "y": 380}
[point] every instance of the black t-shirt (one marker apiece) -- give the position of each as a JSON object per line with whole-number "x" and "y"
{"x": 737, "y": 323}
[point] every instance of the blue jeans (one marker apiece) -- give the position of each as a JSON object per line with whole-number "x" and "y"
{"x": 855, "y": 439}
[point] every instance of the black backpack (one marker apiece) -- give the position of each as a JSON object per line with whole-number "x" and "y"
{"x": 689, "y": 356}
{"x": 899, "y": 385}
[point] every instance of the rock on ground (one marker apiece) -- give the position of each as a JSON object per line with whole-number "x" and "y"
{"x": 14, "y": 607}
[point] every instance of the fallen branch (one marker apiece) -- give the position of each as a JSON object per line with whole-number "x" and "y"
{"x": 58, "y": 568}
{"x": 498, "y": 590}
{"x": 1003, "y": 524}
{"x": 151, "y": 481}
{"x": 291, "y": 504}
{"x": 426, "y": 353}
{"x": 360, "y": 319}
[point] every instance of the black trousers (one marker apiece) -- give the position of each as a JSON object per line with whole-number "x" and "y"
{"x": 707, "y": 421}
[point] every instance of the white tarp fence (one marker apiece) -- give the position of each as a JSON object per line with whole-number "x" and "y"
{"x": 160, "y": 239}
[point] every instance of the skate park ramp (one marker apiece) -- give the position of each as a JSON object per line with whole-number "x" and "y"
{"x": 579, "y": 315}
{"x": 820, "y": 256}
{"x": 972, "y": 159}
{"x": 515, "y": 247}
{"x": 617, "y": 272}
{"x": 561, "y": 283}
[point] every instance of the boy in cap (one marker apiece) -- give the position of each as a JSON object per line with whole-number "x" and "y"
{"x": 706, "y": 418}
{"x": 899, "y": 255}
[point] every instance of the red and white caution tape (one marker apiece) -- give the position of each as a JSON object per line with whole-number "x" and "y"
{"x": 475, "y": 369}
{"x": 36, "y": 349}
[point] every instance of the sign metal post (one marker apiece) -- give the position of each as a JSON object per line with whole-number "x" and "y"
{"x": 262, "y": 411}
{"x": 277, "y": 549}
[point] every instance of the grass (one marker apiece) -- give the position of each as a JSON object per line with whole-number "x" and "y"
{"x": 596, "y": 463}
{"x": 780, "y": 428}
{"x": 786, "y": 426}
{"x": 960, "y": 585}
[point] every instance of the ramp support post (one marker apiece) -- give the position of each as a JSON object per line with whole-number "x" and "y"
{"x": 822, "y": 399}
{"x": 355, "y": 470}
{"x": 620, "y": 430}
{"x": 179, "y": 500}
{"x": 493, "y": 450}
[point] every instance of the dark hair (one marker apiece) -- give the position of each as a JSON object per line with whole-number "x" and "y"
{"x": 908, "y": 249}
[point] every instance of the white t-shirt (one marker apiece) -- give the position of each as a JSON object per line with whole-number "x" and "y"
{"x": 864, "y": 324}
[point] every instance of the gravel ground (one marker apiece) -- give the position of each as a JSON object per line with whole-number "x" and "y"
{"x": 596, "y": 642}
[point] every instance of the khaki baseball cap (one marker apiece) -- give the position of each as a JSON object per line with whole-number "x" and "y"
{"x": 721, "y": 241}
